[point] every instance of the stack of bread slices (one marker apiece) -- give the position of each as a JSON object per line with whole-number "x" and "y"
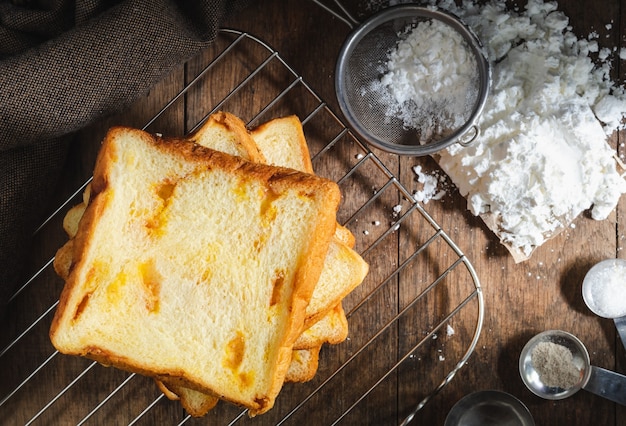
{"x": 212, "y": 263}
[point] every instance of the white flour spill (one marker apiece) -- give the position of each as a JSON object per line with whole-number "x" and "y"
{"x": 541, "y": 158}
{"x": 432, "y": 185}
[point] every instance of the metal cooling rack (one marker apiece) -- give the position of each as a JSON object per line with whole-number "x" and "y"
{"x": 414, "y": 322}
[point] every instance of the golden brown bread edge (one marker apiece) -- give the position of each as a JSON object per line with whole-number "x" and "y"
{"x": 299, "y": 148}
{"x": 244, "y": 144}
{"x": 335, "y": 323}
{"x": 343, "y": 240}
{"x": 240, "y": 138}
{"x": 276, "y": 178}
{"x": 289, "y": 152}
{"x": 310, "y": 340}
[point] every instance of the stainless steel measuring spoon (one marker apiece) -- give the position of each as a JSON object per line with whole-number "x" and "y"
{"x": 600, "y": 281}
{"x": 599, "y": 381}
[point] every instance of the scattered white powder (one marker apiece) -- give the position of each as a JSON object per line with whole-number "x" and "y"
{"x": 555, "y": 365}
{"x": 604, "y": 54}
{"x": 541, "y": 158}
{"x": 429, "y": 79}
{"x": 449, "y": 330}
{"x": 430, "y": 182}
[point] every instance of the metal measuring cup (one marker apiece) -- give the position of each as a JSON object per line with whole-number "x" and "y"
{"x": 597, "y": 380}
{"x": 595, "y": 278}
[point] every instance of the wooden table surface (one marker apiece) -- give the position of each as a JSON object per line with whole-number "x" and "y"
{"x": 520, "y": 300}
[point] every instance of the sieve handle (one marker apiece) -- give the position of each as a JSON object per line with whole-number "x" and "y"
{"x": 469, "y": 136}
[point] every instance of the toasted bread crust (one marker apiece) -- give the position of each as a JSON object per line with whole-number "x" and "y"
{"x": 282, "y": 142}
{"x": 304, "y": 365}
{"x": 332, "y": 329}
{"x": 277, "y": 180}
{"x": 241, "y": 143}
{"x": 325, "y": 324}
{"x": 298, "y": 151}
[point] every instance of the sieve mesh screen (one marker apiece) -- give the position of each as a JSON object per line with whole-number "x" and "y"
{"x": 372, "y": 100}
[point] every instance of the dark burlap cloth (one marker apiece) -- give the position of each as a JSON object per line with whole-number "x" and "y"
{"x": 63, "y": 65}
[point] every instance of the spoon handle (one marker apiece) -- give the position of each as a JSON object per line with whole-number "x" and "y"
{"x": 620, "y": 324}
{"x": 607, "y": 384}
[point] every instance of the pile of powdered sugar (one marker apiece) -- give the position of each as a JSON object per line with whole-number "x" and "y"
{"x": 541, "y": 157}
{"x": 429, "y": 80}
{"x": 431, "y": 185}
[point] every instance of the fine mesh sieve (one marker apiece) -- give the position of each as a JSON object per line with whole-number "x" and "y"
{"x": 362, "y": 63}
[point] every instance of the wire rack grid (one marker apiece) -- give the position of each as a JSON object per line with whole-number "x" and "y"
{"x": 414, "y": 322}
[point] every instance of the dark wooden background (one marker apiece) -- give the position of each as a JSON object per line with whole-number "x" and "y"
{"x": 520, "y": 299}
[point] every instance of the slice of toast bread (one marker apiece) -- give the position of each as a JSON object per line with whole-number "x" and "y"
{"x": 149, "y": 275}
{"x": 225, "y": 132}
{"x": 229, "y": 133}
{"x": 282, "y": 142}
{"x": 304, "y": 364}
{"x": 332, "y": 329}
{"x": 195, "y": 403}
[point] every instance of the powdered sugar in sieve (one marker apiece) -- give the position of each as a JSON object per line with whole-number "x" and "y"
{"x": 412, "y": 80}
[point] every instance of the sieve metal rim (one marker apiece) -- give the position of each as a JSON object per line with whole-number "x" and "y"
{"x": 403, "y": 11}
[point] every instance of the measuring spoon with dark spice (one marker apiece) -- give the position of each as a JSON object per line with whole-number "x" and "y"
{"x": 555, "y": 364}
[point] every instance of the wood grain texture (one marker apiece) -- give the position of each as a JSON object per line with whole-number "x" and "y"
{"x": 520, "y": 299}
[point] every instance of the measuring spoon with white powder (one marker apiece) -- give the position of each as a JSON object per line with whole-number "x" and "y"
{"x": 604, "y": 292}
{"x": 555, "y": 364}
